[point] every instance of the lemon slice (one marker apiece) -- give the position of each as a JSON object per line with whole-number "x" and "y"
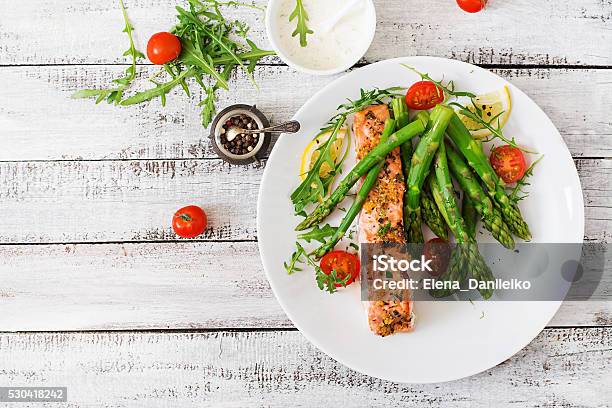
{"x": 490, "y": 105}
{"x": 311, "y": 154}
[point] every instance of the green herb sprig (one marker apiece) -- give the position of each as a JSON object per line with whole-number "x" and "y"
{"x": 324, "y": 281}
{"x": 518, "y": 193}
{"x": 328, "y": 282}
{"x": 318, "y": 234}
{"x": 114, "y": 95}
{"x": 299, "y": 13}
{"x": 493, "y": 125}
{"x": 449, "y": 88}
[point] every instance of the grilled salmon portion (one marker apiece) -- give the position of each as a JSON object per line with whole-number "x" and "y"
{"x": 381, "y": 218}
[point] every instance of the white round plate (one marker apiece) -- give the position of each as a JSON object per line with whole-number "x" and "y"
{"x": 451, "y": 340}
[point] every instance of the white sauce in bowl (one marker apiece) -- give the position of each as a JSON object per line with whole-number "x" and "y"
{"x": 341, "y": 46}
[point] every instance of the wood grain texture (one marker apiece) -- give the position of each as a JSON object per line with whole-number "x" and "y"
{"x": 161, "y": 286}
{"x": 38, "y": 120}
{"x": 133, "y": 200}
{"x": 518, "y": 32}
{"x": 560, "y": 368}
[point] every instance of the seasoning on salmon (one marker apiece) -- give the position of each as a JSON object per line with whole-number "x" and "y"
{"x": 380, "y": 219}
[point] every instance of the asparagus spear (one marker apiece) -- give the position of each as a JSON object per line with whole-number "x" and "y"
{"x": 419, "y": 167}
{"x": 491, "y": 216}
{"x": 431, "y": 214}
{"x": 466, "y": 255}
{"x": 470, "y": 215}
{"x": 429, "y": 210}
{"x": 362, "y": 194}
{"x": 434, "y": 189}
{"x": 472, "y": 150}
{"x": 375, "y": 156}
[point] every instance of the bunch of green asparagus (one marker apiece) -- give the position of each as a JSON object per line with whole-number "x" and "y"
{"x": 429, "y": 196}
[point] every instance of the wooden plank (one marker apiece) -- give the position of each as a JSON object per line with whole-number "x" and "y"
{"x": 35, "y": 109}
{"x": 160, "y": 286}
{"x": 101, "y": 201}
{"x": 133, "y": 200}
{"x": 135, "y": 286}
{"x": 561, "y": 367}
{"x": 523, "y": 32}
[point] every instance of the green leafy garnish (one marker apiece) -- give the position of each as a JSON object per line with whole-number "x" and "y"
{"x": 114, "y": 95}
{"x": 210, "y": 53}
{"x": 318, "y": 234}
{"x": 328, "y": 282}
{"x": 324, "y": 281}
{"x": 301, "y": 28}
{"x": 517, "y": 194}
{"x": 296, "y": 258}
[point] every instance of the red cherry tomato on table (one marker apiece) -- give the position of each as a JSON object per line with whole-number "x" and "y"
{"x": 438, "y": 250}
{"x": 509, "y": 163}
{"x": 472, "y": 6}
{"x": 163, "y": 47}
{"x": 343, "y": 263}
{"x": 189, "y": 222}
{"x": 424, "y": 95}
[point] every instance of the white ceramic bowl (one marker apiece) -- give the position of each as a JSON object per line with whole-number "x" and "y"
{"x": 272, "y": 10}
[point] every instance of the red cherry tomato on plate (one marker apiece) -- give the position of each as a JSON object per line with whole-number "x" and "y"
{"x": 189, "y": 222}
{"x": 509, "y": 163}
{"x": 438, "y": 250}
{"x": 472, "y": 6}
{"x": 424, "y": 95}
{"x": 163, "y": 47}
{"x": 343, "y": 263}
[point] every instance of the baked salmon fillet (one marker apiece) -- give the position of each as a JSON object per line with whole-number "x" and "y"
{"x": 381, "y": 218}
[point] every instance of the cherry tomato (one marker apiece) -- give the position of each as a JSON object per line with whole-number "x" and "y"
{"x": 509, "y": 163}
{"x": 189, "y": 222}
{"x": 472, "y": 6}
{"x": 163, "y": 47}
{"x": 438, "y": 250}
{"x": 343, "y": 263}
{"x": 424, "y": 95}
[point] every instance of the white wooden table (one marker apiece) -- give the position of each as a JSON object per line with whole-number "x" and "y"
{"x": 98, "y": 295}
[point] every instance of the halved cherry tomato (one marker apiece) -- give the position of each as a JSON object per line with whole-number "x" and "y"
{"x": 163, "y": 47}
{"x": 189, "y": 222}
{"x": 438, "y": 250}
{"x": 343, "y": 263}
{"x": 424, "y": 95}
{"x": 472, "y": 6}
{"x": 509, "y": 163}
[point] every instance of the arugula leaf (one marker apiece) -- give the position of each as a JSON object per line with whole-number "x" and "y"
{"x": 114, "y": 95}
{"x": 210, "y": 53}
{"x": 160, "y": 90}
{"x": 296, "y": 258}
{"x": 329, "y": 282}
{"x": 318, "y": 234}
{"x": 302, "y": 22}
{"x": 520, "y": 184}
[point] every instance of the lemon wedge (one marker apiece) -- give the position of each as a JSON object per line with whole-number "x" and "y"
{"x": 490, "y": 104}
{"x": 311, "y": 154}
